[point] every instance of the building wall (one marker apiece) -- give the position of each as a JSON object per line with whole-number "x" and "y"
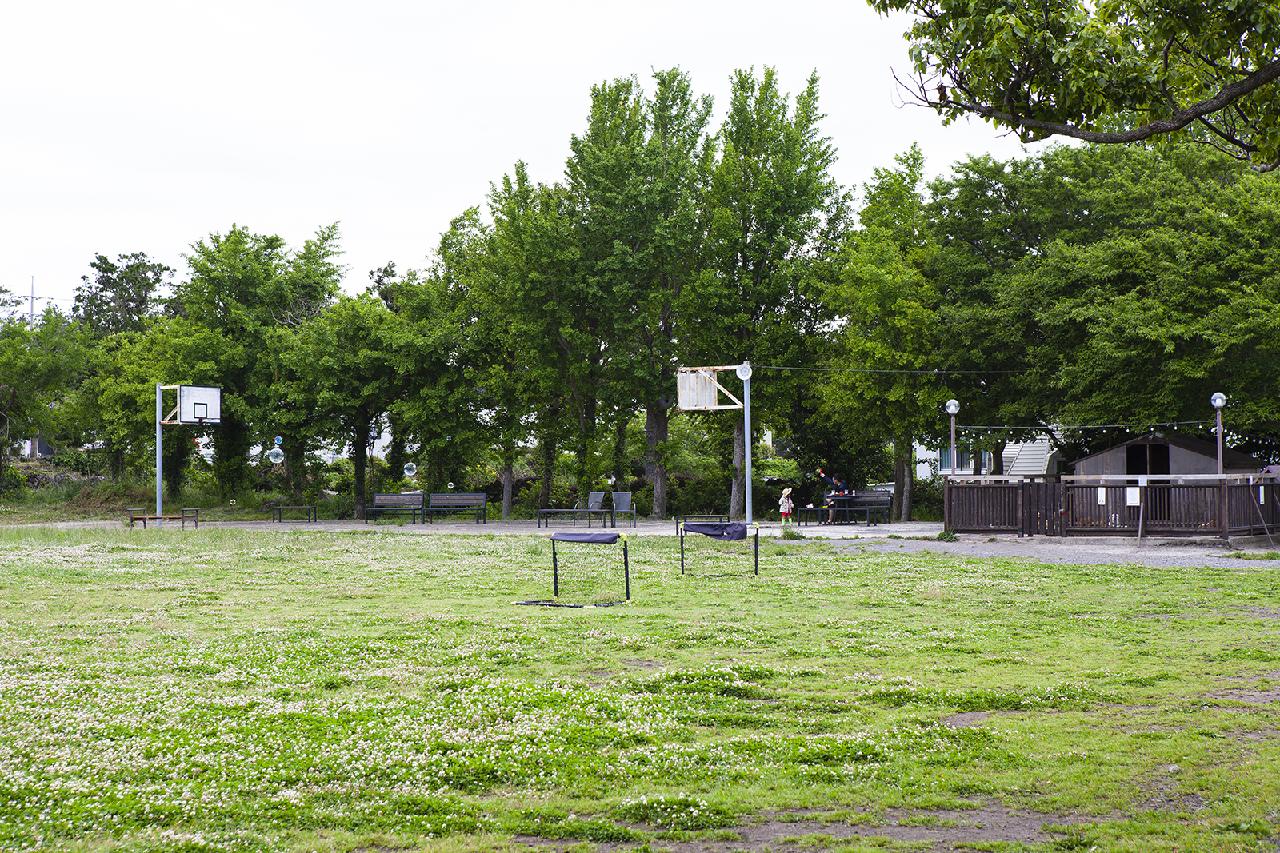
{"x": 1181, "y": 461}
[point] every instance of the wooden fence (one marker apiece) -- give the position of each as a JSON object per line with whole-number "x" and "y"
{"x": 1233, "y": 505}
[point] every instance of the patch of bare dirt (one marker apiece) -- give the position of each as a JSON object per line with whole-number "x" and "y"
{"x": 640, "y": 663}
{"x": 943, "y": 829}
{"x": 1252, "y": 695}
{"x": 966, "y": 719}
{"x": 1163, "y": 794}
{"x": 1263, "y": 612}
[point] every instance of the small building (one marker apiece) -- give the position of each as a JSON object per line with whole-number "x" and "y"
{"x": 1164, "y": 455}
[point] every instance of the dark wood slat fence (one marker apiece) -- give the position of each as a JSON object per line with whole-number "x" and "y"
{"x": 1233, "y": 505}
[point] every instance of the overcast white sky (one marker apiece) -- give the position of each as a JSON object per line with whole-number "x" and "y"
{"x": 143, "y": 126}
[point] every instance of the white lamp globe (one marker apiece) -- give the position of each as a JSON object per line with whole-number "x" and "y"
{"x": 1218, "y": 400}
{"x": 410, "y": 469}
{"x": 953, "y": 407}
{"x": 744, "y": 371}
{"x": 275, "y": 456}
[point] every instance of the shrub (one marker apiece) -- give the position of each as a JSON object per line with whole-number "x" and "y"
{"x": 11, "y": 481}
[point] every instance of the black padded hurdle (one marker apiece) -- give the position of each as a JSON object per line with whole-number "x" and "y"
{"x": 731, "y": 531}
{"x": 588, "y": 538}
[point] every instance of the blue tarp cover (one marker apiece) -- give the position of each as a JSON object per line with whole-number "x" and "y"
{"x": 590, "y": 538}
{"x": 726, "y": 531}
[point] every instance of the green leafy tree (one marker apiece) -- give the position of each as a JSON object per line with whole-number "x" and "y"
{"x": 639, "y": 178}
{"x": 889, "y": 313}
{"x": 245, "y": 287}
{"x": 120, "y": 295}
{"x": 38, "y": 362}
{"x": 1116, "y": 71}
{"x": 345, "y": 369}
{"x": 772, "y": 209}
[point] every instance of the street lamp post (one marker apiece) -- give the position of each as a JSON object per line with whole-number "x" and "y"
{"x": 953, "y": 408}
{"x": 1218, "y": 400}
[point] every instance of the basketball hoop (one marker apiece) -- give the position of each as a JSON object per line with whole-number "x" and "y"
{"x": 698, "y": 390}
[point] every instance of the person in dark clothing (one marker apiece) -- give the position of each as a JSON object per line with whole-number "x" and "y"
{"x": 833, "y": 484}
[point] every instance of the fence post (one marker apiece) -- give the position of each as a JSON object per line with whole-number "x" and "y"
{"x": 1022, "y": 513}
{"x": 946, "y": 504}
{"x": 1223, "y": 519}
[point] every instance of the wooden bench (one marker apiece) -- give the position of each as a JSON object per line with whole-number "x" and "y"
{"x": 449, "y": 503}
{"x": 396, "y": 503}
{"x": 188, "y": 513}
{"x": 277, "y": 512}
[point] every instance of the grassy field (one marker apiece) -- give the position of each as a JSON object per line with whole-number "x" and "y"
{"x": 248, "y": 689}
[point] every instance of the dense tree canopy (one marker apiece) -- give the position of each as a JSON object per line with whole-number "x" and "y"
{"x": 534, "y": 354}
{"x": 1113, "y": 71}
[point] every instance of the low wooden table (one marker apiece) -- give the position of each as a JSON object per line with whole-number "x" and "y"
{"x": 277, "y": 513}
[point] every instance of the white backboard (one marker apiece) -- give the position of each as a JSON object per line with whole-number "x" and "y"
{"x": 698, "y": 391}
{"x": 199, "y": 404}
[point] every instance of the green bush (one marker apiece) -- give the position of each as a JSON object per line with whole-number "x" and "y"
{"x": 12, "y": 482}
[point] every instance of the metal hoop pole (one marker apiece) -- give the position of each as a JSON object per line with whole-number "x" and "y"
{"x": 626, "y": 568}
{"x": 159, "y": 451}
{"x": 681, "y": 549}
{"x": 756, "y": 551}
{"x": 555, "y": 571}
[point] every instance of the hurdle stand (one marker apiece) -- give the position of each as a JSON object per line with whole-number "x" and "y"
{"x": 725, "y": 532}
{"x": 594, "y": 539}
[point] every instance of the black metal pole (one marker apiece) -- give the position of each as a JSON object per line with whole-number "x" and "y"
{"x": 681, "y": 549}
{"x": 555, "y": 571}
{"x": 755, "y": 548}
{"x": 626, "y": 568}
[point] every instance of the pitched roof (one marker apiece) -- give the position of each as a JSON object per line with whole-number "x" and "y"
{"x": 1231, "y": 459}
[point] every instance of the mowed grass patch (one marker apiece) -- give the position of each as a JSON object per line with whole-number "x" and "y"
{"x": 248, "y": 689}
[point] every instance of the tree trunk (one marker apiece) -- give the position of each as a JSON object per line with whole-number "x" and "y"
{"x": 585, "y": 444}
{"x": 997, "y": 458}
{"x": 115, "y": 463}
{"x": 548, "y": 447}
{"x": 977, "y": 460}
{"x": 620, "y": 452}
{"x": 507, "y": 476}
{"x": 359, "y": 459}
{"x": 737, "y": 490}
{"x": 295, "y": 468}
{"x": 908, "y": 479}
{"x": 657, "y": 423}
{"x": 903, "y": 476}
{"x": 396, "y": 456}
{"x": 177, "y": 452}
{"x": 230, "y": 447}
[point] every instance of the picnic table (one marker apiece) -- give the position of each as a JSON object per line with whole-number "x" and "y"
{"x": 277, "y": 513}
{"x": 188, "y": 513}
{"x": 844, "y": 508}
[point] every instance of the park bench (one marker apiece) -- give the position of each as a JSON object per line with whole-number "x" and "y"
{"x": 395, "y": 503}
{"x": 595, "y": 506}
{"x": 186, "y": 514}
{"x": 450, "y": 503}
{"x": 308, "y": 510}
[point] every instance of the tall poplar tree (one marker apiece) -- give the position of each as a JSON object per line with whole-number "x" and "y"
{"x": 770, "y": 207}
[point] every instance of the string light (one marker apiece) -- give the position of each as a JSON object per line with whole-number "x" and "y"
{"x": 1040, "y": 428}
